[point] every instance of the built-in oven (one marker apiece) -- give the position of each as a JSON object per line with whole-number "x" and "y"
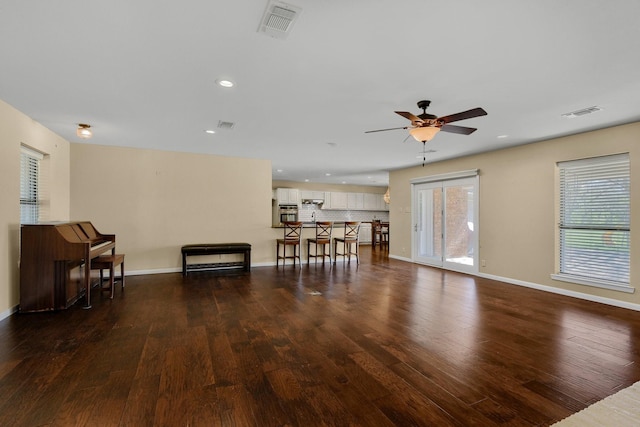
{"x": 288, "y": 213}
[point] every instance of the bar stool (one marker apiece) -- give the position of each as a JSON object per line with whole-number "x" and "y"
{"x": 322, "y": 239}
{"x": 376, "y": 233}
{"x": 351, "y": 238}
{"x": 291, "y": 237}
{"x": 384, "y": 235}
{"x": 110, "y": 262}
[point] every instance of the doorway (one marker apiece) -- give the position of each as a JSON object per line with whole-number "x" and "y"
{"x": 445, "y": 213}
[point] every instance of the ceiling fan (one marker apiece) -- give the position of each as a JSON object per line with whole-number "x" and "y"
{"x": 425, "y": 126}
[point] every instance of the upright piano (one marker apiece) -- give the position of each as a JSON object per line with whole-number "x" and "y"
{"x": 55, "y": 263}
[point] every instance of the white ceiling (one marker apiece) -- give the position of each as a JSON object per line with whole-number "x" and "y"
{"x": 143, "y": 73}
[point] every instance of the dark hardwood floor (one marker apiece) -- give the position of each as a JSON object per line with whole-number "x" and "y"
{"x": 387, "y": 343}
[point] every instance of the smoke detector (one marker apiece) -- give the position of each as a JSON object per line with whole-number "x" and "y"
{"x": 278, "y": 19}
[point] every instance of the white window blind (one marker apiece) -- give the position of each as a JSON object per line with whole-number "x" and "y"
{"x": 29, "y": 186}
{"x": 595, "y": 220}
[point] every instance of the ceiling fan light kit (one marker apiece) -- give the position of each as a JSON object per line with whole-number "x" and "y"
{"x": 425, "y": 126}
{"x": 84, "y": 131}
{"x": 424, "y": 134}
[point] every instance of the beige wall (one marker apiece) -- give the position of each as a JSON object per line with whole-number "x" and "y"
{"x": 157, "y": 201}
{"x": 518, "y": 205}
{"x": 16, "y": 129}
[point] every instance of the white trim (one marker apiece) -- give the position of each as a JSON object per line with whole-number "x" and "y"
{"x": 593, "y": 282}
{"x": 565, "y": 292}
{"x": 622, "y": 157}
{"x": 31, "y": 152}
{"x": 445, "y": 176}
{"x": 156, "y": 271}
{"x": 401, "y": 258}
{"x": 545, "y": 288}
{"x": 8, "y": 312}
{"x": 179, "y": 269}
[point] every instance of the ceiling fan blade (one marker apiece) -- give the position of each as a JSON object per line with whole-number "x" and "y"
{"x": 408, "y": 115}
{"x": 475, "y": 112}
{"x": 383, "y": 130}
{"x": 462, "y": 130}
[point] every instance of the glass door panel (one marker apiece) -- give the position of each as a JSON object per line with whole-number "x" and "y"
{"x": 428, "y": 227}
{"x": 445, "y": 215}
{"x": 459, "y": 226}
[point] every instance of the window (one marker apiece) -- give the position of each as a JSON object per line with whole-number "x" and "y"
{"x": 30, "y": 200}
{"x": 594, "y": 227}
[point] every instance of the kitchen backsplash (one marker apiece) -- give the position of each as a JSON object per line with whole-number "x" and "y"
{"x": 308, "y": 212}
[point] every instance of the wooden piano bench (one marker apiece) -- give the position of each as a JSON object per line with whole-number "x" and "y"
{"x": 110, "y": 262}
{"x": 216, "y": 249}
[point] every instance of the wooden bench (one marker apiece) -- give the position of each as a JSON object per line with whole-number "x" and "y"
{"x": 109, "y": 262}
{"x": 216, "y": 249}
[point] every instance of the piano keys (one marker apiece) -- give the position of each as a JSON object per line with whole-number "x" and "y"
{"x": 55, "y": 263}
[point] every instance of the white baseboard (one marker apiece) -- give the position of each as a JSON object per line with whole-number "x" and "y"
{"x": 551, "y": 289}
{"x": 565, "y": 292}
{"x": 401, "y": 258}
{"x": 8, "y": 312}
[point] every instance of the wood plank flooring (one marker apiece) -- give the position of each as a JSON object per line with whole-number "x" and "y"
{"x": 387, "y": 343}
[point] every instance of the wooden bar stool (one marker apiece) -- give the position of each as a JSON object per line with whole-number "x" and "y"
{"x": 322, "y": 239}
{"x": 351, "y": 238}
{"x": 384, "y": 235}
{"x": 110, "y": 262}
{"x": 376, "y": 231}
{"x": 291, "y": 237}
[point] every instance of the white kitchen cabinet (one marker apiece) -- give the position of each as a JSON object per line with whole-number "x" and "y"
{"x": 365, "y": 233}
{"x": 338, "y": 200}
{"x": 372, "y": 201}
{"x": 355, "y": 201}
{"x": 288, "y": 196}
{"x": 311, "y": 195}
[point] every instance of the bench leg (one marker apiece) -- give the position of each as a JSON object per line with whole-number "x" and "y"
{"x": 247, "y": 260}
{"x": 122, "y": 275}
{"x": 184, "y": 264}
{"x": 111, "y": 278}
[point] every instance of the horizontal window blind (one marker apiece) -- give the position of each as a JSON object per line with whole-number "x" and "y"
{"x": 29, "y": 194}
{"x": 595, "y": 218}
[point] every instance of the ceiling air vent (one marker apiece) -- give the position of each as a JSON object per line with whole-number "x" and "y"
{"x": 225, "y": 125}
{"x": 582, "y": 112}
{"x": 278, "y": 19}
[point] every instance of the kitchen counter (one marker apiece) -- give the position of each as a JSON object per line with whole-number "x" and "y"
{"x": 313, "y": 224}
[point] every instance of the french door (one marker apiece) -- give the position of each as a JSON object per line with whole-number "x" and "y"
{"x": 445, "y": 224}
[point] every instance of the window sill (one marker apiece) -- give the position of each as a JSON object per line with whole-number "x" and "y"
{"x": 593, "y": 283}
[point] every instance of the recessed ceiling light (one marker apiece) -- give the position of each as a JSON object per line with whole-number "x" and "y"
{"x": 225, "y": 83}
{"x": 210, "y": 131}
{"x": 503, "y": 136}
{"x": 344, "y": 182}
{"x": 306, "y": 180}
{"x": 279, "y": 170}
{"x": 327, "y": 174}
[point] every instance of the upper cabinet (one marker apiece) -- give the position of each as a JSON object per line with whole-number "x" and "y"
{"x": 288, "y": 196}
{"x": 375, "y": 202}
{"x": 338, "y": 200}
{"x": 311, "y": 195}
{"x": 354, "y": 201}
